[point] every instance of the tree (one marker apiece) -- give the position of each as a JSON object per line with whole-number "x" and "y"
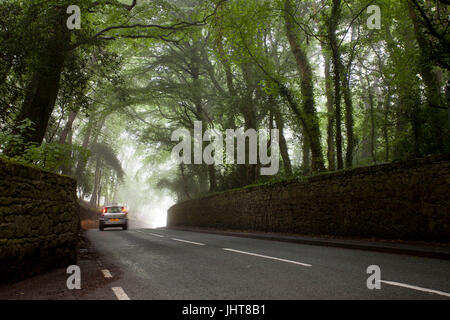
{"x": 311, "y": 124}
{"x": 44, "y": 85}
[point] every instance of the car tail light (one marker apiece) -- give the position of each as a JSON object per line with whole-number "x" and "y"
{"x": 103, "y": 211}
{"x": 124, "y": 210}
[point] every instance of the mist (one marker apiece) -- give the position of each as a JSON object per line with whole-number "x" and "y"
{"x": 147, "y": 206}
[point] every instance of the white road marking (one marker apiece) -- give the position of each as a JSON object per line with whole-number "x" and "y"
{"x": 398, "y": 284}
{"x": 268, "y": 257}
{"x": 120, "y": 294}
{"x": 106, "y": 273}
{"x": 191, "y": 242}
{"x": 154, "y": 234}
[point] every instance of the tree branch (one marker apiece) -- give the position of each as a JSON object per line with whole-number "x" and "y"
{"x": 173, "y": 27}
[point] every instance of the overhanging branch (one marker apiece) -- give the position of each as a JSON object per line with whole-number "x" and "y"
{"x": 139, "y": 26}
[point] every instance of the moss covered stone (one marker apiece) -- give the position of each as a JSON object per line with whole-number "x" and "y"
{"x": 403, "y": 200}
{"x": 39, "y": 221}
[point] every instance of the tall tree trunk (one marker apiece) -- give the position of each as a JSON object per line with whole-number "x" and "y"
{"x": 94, "y": 197}
{"x": 68, "y": 170}
{"x": 337, "y": 70}
{"x": 43, "y": 89}
{"x": 82, "y": 162}
{"x": 331, "y": 154}
{"x": 68, "y": 126}
{"x": 283, "y": 145}
{"x": 306, "y": 159}
{"x": 98, "y": 124}
{"x": 349, "y": 122}
{"x": 372, "y": 121}
{"x": 185, "y": 183}
{"x": 386, "y": 123}
{"x": 435, "y": 98}
{"x": 70, "y": 137}
{"x": 212, "y": 178}
{"x": 100, "y": 187}
{"x": 311, "y": 124}
{"x": 416, "y": 123}
{"x": 249, "y": 113}
{"x": 248, "y": 172}
{"x": 232, "y": 92}
{"x": 195, "y": 63}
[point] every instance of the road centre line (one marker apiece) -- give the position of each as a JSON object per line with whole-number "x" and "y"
{"x": 268, "y": 257}
{"x": 106, "y": 273}
{"x": 404, "y": 285}
{"x": 120, "y": 294}
{"x": 191, "y": 242}
{"x": 153, "y": 234}
{"x": 150, "y": 233}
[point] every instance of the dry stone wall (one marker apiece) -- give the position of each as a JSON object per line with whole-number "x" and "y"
{"x": 39, "y": 221}
{"x": 404, "y": 200}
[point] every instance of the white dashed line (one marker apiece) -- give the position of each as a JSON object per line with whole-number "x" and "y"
{"x": 268, "y": 257}
{"x": 191, "y": 242}
{"x": 106, "y": 273}
{"x": 154, "y": 234}
{"x": 398, "y": 284}
{"x": 120, "y": 294}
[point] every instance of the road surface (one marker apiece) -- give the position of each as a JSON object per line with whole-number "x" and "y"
{"x": 172, "y": 264}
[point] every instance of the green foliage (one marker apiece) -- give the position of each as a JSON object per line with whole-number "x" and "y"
{"x": 49, "y": 156}
{"x": 134, "y": 76}
{"x": 14, "y": 141}
{"x": 109, "y": 156}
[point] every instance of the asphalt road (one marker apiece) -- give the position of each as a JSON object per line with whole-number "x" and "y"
{"x": 173, "y": 264}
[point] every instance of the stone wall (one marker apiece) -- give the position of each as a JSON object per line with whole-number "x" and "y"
{"x": 39, "y": 221}
{"x": 404, "y": 200}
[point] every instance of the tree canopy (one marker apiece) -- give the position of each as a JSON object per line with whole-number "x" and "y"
{"x": 90, "y": 102}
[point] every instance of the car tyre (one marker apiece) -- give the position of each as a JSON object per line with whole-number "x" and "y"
{"x": 125, "y": 227}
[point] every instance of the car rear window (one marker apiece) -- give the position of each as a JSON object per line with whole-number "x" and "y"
{"x": 114, "y": 210}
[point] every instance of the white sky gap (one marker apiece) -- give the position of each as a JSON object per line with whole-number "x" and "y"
{"x": 120, "y": 294}
{"x": 268, "y": 257}
{"x": 191, "y": 242}
{"x": 398, "y": 284}
{"x": 106, "y": 273}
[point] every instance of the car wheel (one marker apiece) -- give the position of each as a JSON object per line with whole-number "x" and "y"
{"x": 101, "y": 228}
{"x": 125, "y": 227}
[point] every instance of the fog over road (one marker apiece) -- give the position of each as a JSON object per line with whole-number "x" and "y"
{"x": 173, "y": 264}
